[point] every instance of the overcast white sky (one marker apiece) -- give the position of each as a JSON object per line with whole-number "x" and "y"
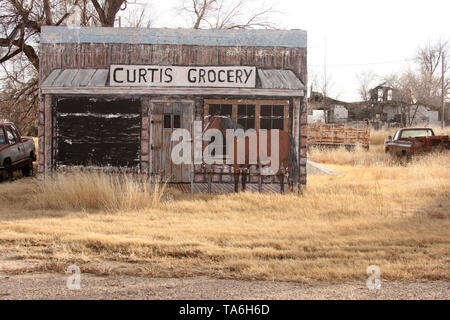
{"x": 381, "y": 36}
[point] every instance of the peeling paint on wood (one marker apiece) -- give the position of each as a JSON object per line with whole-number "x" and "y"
{"x": 98, "y": 132}
{"x": 211, "y": 37}
{"x": 322, "y": 134}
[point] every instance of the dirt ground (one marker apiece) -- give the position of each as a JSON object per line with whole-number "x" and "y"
{"x": 53, "y": 286}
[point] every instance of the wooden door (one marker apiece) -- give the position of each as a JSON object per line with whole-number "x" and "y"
{"x": 165, "y": 118}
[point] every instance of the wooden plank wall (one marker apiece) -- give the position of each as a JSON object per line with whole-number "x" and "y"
{"x": 101, "y": 56}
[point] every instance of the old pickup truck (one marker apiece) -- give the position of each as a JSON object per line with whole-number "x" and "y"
{"x": 16, "y": 153}
{"x": 412, "y": 141}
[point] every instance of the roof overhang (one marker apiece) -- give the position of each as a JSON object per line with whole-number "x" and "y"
{"x": 282, "y": 83}
{"x": 174, "y": 91}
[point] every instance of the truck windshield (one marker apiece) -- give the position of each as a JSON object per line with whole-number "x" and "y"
{"x": 2, "y": 136}
{"x": 417, "y": 133}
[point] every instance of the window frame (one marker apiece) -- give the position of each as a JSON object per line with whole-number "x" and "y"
{"x": 256, "y": 103}
{"x": 271, "y": 118}
{"x": 171, "y": 117}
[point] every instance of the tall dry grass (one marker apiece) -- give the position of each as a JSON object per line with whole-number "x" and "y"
{"x": 375, "y": 156}
{"x": 394, "y": 217}
{"x": 92, "y": 191}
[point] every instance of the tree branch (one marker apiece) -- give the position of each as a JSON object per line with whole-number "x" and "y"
{"x": 9, "y": 56}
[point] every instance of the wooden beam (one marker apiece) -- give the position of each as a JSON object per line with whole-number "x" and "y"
{"x": 48, "y": 134}
{"x": 173, "y": 91}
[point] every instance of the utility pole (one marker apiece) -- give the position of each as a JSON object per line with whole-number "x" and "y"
{"x": 443, "y": 93}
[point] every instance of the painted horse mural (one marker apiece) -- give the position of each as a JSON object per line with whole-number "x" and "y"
{"x": 287, "y": 152}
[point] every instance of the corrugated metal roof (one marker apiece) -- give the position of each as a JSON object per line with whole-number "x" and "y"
{"x": 268, "y": 79}
{"x": 210, "y": 37}
{"x": 279, "y": 79}
{"x": 77, "y": 78}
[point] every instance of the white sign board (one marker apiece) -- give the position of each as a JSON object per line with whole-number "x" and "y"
{"x": 171, "y": 76}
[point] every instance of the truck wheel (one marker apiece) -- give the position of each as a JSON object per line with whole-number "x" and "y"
{"x": 28, "y": 169}
{"x": 8, "y": 170}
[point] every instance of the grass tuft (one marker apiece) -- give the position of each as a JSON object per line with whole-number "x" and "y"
{"x": 88, "y": 191}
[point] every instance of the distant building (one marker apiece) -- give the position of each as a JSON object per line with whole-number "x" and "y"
{"x": 386, "y": 94}
{"x": 326, "y": 110}
{"x": 386, "y": 107}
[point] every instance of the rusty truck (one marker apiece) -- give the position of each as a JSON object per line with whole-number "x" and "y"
{"x": 412, "y": 141}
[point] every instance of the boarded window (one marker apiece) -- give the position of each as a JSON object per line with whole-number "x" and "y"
{"x": 98, "y": 132}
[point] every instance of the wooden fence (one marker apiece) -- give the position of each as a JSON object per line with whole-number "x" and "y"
{"x": 334, "y": 134}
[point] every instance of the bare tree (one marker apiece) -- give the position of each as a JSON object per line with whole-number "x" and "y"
{"x": 425, "y": 79}
{"x": 107, "y": 10}
{"x": 138, "y": 15}
{"x": 21, "y": 22}
{"x": 324, "y": 84}
{"x": 20, "y": 27}
{"x": 227, "y": 14}
{"x": 367, "y": 81}
{"x": 18, "y": 104}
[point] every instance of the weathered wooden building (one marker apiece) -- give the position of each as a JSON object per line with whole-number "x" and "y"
{"x": 110, "y": 97}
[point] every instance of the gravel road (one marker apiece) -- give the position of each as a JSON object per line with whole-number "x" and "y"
{"x": 53, "y": 286}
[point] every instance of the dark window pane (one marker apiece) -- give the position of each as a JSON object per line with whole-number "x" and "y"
{"x": 246, "y": 110}
{"x": 223, "y": 109}
{"x": 176, "y": 121}
{"x": 213, "y": 108}
{"x": 251, "y": 110}
{"x": 277, "y": 124}
{"x": 250, "y": 124}
{"x": 266, "y": 111}
{"x": 265, "y": 124}
{"x": 278, "y": 111}
{"x": 242, "y": 110}
{"x": 227, "y": 110}
{"x": 167, "y": 121}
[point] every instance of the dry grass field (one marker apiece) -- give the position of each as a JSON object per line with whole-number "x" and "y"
{"x": 377, "y": 212}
